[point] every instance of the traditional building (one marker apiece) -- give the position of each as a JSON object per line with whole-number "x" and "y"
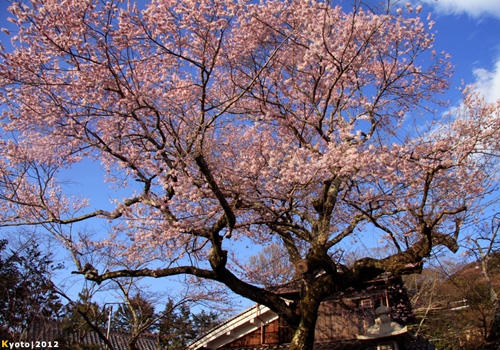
{"x": 374, "y": 317}
{"x": 50, "y": 334}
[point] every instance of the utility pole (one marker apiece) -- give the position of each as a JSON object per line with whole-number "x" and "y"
{"x": 110, "y": 313}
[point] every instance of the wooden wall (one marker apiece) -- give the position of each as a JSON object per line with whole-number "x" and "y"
{"x": 276, "y": 332}
{"x": 338, "y": 319}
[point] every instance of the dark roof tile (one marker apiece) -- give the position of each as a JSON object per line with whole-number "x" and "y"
{"x": 53, "y": 330}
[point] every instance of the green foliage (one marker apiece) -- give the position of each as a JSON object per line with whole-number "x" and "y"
{"x": 133, "y": 315}
{"x": 27, "y": 294}
{"x": 176, "y": 326}
{"x": 179, "y": 326}
{"x": 82, "y": 312}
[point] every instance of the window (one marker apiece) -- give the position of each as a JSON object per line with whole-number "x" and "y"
{"x": 366, "y": 303}
{"x": 387, "y": 346}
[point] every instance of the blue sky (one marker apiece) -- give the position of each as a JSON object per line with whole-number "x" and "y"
{"x": 469, "y": 30}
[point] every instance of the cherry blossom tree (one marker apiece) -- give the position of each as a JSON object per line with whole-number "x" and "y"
{"x": 293, "y": 122}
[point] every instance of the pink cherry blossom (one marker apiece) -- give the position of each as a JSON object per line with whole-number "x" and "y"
{"x": 284, "y": 122}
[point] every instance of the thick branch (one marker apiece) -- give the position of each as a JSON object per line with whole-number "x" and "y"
{"x": 202, "y": 164}
{"x": 324, "y": 206}
{"x": 408, "y": 261}
{"x": 259, "y": 295}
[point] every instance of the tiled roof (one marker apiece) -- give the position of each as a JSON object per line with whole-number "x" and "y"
{"x": 343, "y": 345}
{"x": 51, "y": 331}
{"x": 346, "y": 344}
{"x": 119, "y": 341}
{"x": 238, "y": 326}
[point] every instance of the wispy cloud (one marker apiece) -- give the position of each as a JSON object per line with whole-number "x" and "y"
{"x": 473, "y": 8}
{"x": 488, "y": 82}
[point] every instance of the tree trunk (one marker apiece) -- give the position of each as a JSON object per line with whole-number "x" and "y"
{"x": 303, "y": 339}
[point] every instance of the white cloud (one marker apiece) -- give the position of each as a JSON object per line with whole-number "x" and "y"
{"x": 488, "y": 82}
{"x": 473, "y": 8}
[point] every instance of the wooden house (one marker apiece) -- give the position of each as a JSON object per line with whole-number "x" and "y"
{"x": 371, "y": 318}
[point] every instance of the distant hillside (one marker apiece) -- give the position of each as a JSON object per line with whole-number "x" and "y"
{"x": 455, "y": 311}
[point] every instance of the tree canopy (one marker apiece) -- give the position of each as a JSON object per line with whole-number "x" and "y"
{"x": 27, "y": 293}
{"x": 298, "y": 123}
{"x": 179, "y": 326}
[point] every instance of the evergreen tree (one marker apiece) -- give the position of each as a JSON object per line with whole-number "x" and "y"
{"x": 179, "y": 326}
{"x": 84, "y": 315}
{"x": 134, "y": 314}
{"x": 27, "y": 294}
